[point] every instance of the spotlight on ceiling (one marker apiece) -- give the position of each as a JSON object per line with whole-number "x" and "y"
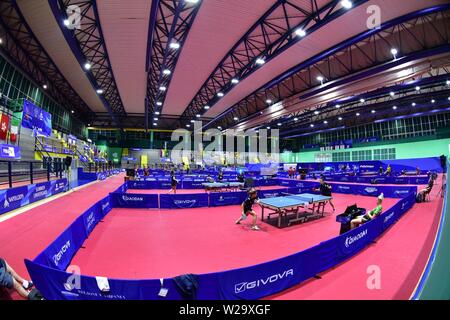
{"x": 394, "y": 52}
{"x": 300, "y": 32}
{"x": 347, "y": 4}
{"x": 174, "y": 45}
{"x": 234, "y": 81}
{"x": 87, "y": 66}
{"x": 220, "y": 94}
{"x": 260, "y": 61}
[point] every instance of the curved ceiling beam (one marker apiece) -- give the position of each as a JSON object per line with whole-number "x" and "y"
{"x": 88, "y": 46}
{"x": 364, "y": 51}
{"x": 24, "y": 49}
{"x": 276, "y": 31}
{"x": 432, "y": 97}
{"x": 170, "y": 22}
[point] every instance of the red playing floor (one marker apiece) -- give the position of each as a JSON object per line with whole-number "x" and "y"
{"x": 26, "y": 235}
{"x": 139, "y": 244}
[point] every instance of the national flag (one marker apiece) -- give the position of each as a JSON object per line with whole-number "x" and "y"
{"x": 4, "y": 126}
{"x": 15, "y": 124}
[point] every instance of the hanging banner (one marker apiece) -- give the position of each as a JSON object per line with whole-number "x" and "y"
{"x": 37, "y": 119}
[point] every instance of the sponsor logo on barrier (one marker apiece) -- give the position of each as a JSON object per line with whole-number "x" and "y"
{"x": 244, "y": 286}
{"x": 350, "y": 240}
{"x": 343, "y": 188}
{"x": 105, "y": 206}
{"x": 401, "y": 191}
{"x": 127, "y": 198}
{"x": 388, "y": 217}
{"x": 69, "y": 294}
{"x": 40, "y": 192}
{"x": 90, "y": 220}
{"x": 366, "y": 166}
{"x": 57, "y": 257}
{"x": 185, "y": 202}
{"x": 15, "y": 198}
{"x": 370, "y": 190}
{"x": 59, "y": 186}
{"x": 271, "y": 195}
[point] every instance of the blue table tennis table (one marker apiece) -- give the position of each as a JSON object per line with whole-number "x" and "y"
{"x": 220, "y": 186}
{"x": 292, "y": 203}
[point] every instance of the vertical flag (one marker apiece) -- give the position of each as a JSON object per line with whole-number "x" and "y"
{"x": 15, "y": 124}
{"x": 4, "y": 126}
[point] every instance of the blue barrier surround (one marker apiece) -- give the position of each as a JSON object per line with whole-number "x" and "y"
{"x": 254, "y": 282}
{"x": 15, "y": 198}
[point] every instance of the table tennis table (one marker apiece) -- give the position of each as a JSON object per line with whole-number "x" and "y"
{"x": 292, "y": 203}
{"x": 220, "y": 186}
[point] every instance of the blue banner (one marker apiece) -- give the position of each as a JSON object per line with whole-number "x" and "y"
{"x": 129, "y": 200}
{"x": 14, "y": 198}
{"x": 61, "y": 251}
{"x": 9, "y": 151}
{"x": 91, "y": 217}
{"x": 217, "y": 199}
{"x": 183, "y": 201}
{"x": 37, "y": 119}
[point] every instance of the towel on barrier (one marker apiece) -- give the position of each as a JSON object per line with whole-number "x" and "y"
{"x": 103, "y": 284}
{"x": 187, "y": 285}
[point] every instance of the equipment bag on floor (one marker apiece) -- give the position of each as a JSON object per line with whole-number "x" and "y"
{"x": 187, "y": 285}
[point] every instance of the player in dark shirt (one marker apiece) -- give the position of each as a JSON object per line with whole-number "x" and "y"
{"x": 325, "y": 190}
{"x": 247, "y": 208}
{"x": 173, "y": 182}
{"x": 220, "y": 176}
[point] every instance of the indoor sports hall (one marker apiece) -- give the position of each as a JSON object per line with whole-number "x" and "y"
{"x": 266, "y": 150}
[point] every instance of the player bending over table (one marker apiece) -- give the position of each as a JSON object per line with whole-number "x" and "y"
{"x": 247, "y": 208}
{"x": 369, "y": 215}
{"x": 325, "y": 190}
